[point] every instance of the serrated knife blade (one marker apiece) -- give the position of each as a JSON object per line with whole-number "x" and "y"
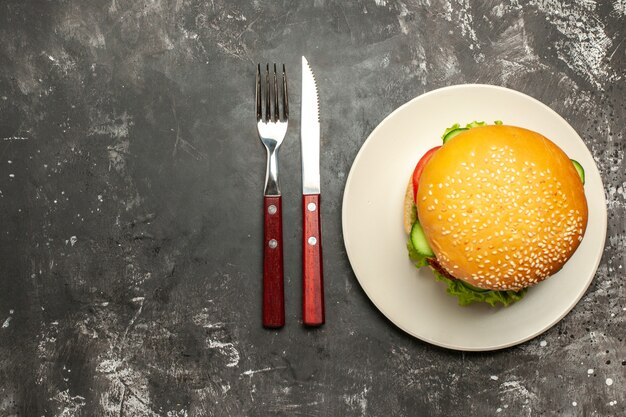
{"x": 310, "y": 131}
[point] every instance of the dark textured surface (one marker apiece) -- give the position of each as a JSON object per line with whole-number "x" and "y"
{"x": 130, "y": 193}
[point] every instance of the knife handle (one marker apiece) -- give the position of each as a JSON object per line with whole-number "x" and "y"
{"x": 273, "y": 281}
{"x": 312, "y": 267}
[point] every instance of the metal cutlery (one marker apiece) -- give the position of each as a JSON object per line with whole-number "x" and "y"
{"x": 312, "y": 267}
{"x": 272, "y": 115}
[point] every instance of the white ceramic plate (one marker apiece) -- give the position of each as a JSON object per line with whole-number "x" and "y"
{"x": 376, "y": 242}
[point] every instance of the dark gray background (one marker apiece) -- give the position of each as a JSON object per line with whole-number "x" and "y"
{"x": 130, "y": 197}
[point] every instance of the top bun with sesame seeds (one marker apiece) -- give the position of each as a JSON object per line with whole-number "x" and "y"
{"x": 502, "y": 207}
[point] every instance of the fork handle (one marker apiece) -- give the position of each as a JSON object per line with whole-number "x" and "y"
{"x": 312, "y": 267}
{"x": 273, "y": 281}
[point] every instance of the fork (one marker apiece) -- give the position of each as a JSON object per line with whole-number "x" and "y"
{"x": 272, "y": 127}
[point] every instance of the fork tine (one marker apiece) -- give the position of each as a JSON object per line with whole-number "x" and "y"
{"x": 268, "y": 114}
{"x": 285, "y": 96}
{"x": 276, "y": 114}
{"x": 259, "y": 112}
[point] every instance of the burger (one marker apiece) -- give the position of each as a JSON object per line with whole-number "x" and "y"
{"x": 493, "y": 211}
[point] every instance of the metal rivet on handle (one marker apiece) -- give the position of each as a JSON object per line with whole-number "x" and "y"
{"x": 312, "y": 241}
{"x": 271, "y": 209}
{"x": 311, "y": 206}
{"x": 273, "y": 243}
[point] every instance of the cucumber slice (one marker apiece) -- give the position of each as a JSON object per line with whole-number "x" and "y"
{"x": 453, "y": 133}
{"x": 450, "y": 129}
{"x": 418, "y": 239}
{"x": 579, "y": 169}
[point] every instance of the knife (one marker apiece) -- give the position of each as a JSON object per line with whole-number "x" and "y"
{"x": 312, "y": 268}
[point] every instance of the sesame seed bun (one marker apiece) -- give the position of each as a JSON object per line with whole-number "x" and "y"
{"x": 502, "y": 207}
{"x": 409, "y": 213}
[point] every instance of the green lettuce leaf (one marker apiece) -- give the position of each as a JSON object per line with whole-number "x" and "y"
{"x": 468, "y": 294}
{"x": 475, "y": 123}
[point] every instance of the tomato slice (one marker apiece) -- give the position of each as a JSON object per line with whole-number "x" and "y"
{"x": 417, "y": 173}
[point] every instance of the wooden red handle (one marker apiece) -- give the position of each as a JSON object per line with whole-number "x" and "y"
{"x": 273, "y": 281}
{"x": 312, "y": 267}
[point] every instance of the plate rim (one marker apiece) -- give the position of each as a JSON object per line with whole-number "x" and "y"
{"x": 495, "y": 347}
